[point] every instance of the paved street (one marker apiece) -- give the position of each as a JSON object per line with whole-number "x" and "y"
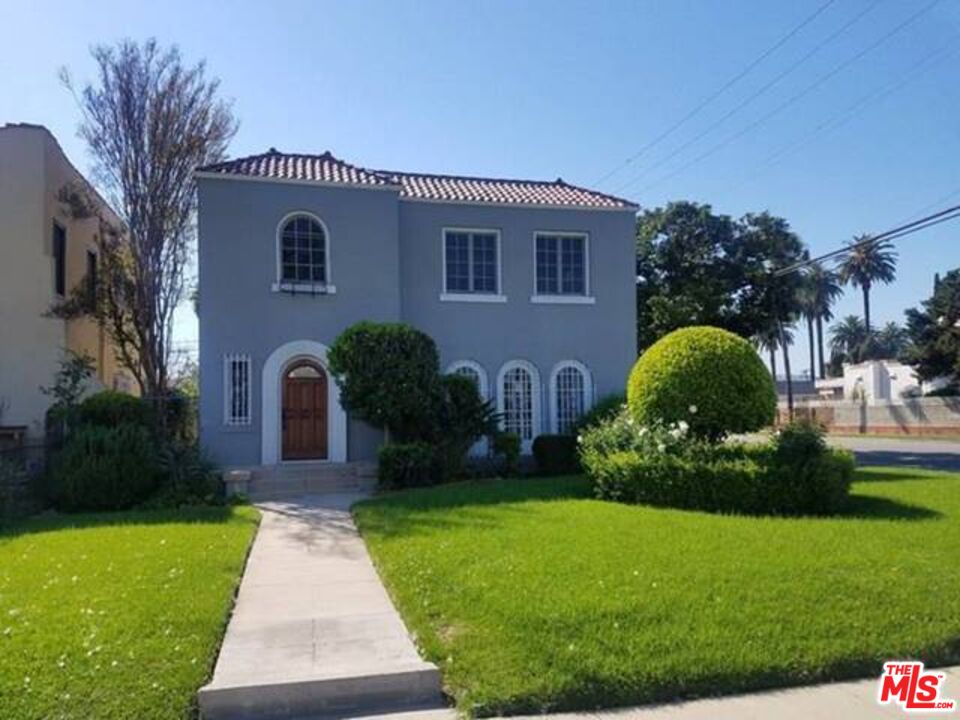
{"x": 929, "y": 453}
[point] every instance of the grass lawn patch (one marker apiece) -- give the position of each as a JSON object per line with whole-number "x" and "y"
{"x": 116, "y": 615}
{"x": 531, "y": 595}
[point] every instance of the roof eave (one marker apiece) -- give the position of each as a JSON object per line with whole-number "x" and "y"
{"x": 214, "y": 175}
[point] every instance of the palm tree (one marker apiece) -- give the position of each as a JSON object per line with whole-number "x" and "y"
{"x": 891, "y": 340}
{"x": 847, "y": 338}
{"x": 824, "y": 289}
{"x": 806, "y": 304}
{"x": 867, "y": 263}
{"x": 769, "y": 340}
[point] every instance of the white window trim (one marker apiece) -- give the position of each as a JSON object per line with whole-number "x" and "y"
{"x": 478, "y": 368}
{"x": 271, "y": 394}
{"x": 536, "y": 395}
{"x": 472, "y": 297}
{"x": 498, "y": 296}
{"x": 228, "y": 360}
{"x": 280, "y": 285}
{"x": 564, "y": 298}
{"x": 588, "y": 392}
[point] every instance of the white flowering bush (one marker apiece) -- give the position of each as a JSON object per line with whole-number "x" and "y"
{"x": 623, "y": 433}
{"x": 666, "y": 465}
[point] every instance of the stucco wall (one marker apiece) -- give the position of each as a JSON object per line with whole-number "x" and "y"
{"x": 33, "y": 169}
{"x": 28, "y": 341}
{"x": 240, "y": 314}
{"x": 602, "y": 336}
{"x": 386, "y": 264}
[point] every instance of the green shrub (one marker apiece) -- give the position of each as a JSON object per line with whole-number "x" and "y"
{"x": 733, "y": 480}
{"x": 188, "y": 477}
{"x": 506, "y": 447}
{"x": 607, "y": 407}
{"x": 556, "y": 454}
{"x": 389, "y": 376}
{"x": 405, "y": 465}
{"x": 708, "y": 377}
{"x": 110, "y": 408}
{"x": 462, "y": 418}
{"x": 104, "y": 468}
{"x": 795, "y": 474}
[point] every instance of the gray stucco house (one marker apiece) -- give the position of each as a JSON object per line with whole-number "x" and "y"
{"x": 526, "y": 286}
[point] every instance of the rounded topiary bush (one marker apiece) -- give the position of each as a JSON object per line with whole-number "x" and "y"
{"x": 708, "y": 377}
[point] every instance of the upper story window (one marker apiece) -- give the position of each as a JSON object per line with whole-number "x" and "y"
{"x": 303, "y": 254}
{"x": 59, "y": 259}
{"x": 471, "y": 265}
{"x": 91, "y": 277}
{"x": 562, "y": 267}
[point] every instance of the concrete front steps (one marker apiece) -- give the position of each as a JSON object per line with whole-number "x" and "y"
{"x": 290, "y": 480}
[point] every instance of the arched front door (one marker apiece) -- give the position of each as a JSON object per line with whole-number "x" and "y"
{"x": 304, "y": 412}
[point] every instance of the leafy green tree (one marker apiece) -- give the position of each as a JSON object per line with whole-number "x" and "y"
{"x": 866, "y": 264}
{"x": 934, "y": 331}
{"x": 695, "y": 267}
{"x": 775, "y": 297}
{"x": 389, "y": 376}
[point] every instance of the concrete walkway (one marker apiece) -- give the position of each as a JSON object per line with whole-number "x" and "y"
{"x": 314, "y": 631}
{"x": 856, "y": 700}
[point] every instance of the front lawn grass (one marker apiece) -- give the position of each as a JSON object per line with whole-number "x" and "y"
{"x": 116, "y": 615}
{"x": 532, "y": 596}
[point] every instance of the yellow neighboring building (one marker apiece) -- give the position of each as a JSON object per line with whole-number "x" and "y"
{"x": 44, "y": 254}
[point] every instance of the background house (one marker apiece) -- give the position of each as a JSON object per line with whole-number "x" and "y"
{"x": 44, "y": 253}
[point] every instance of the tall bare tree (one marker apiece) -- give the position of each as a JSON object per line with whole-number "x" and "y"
{"x": 149, "y": 121}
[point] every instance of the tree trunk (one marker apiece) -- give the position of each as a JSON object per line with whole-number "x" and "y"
{"x": 773, "y": 364}
{"x": 823, "y": 369}
{"x": 786, "y": 370}
{"x": 813, "y": 363}
{"x": 866, "y": 307}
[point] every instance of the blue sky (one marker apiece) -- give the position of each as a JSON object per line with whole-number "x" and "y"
{"x": 869, "y": 116}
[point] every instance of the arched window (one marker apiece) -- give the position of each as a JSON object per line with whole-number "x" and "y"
{"x": 474, "y": 371}
{"x": 571, "y": 391}
{"x": 303, "y": 255}
{"x": 518, "y": 399}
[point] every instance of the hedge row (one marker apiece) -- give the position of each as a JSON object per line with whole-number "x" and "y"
{"x": 753, "y": 481}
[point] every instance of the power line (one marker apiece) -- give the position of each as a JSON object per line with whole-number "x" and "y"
{"x": 842, "y": 118}
{"x": 792, "y": 99}
{"x": 950, "y": 213}
{"x": 717, "y": 93}
{"x": 756, "y": 94}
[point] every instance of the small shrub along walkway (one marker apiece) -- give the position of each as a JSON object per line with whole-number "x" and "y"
{"x": 116, "y": 615}
{"x": 531, "y": 595}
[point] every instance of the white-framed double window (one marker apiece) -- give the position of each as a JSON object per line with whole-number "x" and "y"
{"x": 561, "y": 267}
{"x": 303, "y": 254}
{"x": 471, "y": 265}
{"x": 571, "y": 394}
{"x": 236, "y": 389}
{"x": 518, "y": 400}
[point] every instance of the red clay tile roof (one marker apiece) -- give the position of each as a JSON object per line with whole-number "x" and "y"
{"x": 287, "y": 166}
{"x": 419, "y": 186}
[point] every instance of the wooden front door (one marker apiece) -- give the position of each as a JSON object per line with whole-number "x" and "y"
{"x": 304, "y": 414}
